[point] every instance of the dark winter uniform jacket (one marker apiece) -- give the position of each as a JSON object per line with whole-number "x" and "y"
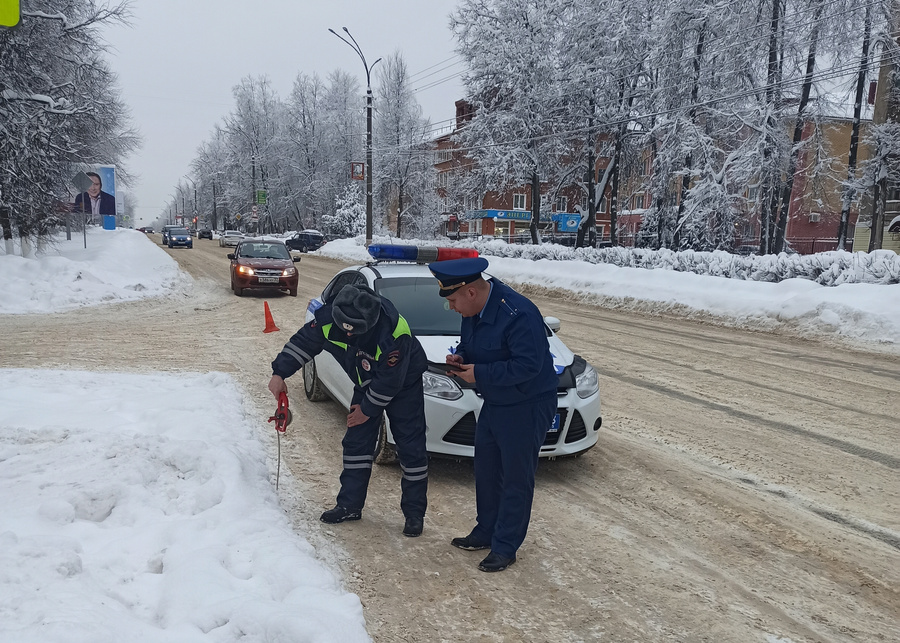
{"x": 381, "y": 362}
{"x": 507, "y": 344}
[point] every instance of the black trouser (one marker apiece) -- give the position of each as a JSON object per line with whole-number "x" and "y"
{"x": 407, "y": 416}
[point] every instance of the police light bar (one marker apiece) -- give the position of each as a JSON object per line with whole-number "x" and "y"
{"x": 424, "y": 254}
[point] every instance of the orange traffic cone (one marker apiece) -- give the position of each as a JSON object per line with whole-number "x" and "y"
{"x": 270, "y": 323}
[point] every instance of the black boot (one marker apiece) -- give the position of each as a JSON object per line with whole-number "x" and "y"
{"x": 495, "y": 563}
{"x": 469, "y": 544}
{"x": 340, "y": 514}
{"x": 413, "y": 527}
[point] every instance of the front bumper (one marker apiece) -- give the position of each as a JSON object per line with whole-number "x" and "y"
{"x": 252, "y": 281}
{"x": 451, "y": 425}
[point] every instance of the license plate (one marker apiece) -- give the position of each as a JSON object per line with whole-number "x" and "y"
{"x": 555, "y": 426}
{"x": 268, "y": 280}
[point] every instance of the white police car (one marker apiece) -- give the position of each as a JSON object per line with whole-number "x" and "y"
{"x": 399, "y": 273}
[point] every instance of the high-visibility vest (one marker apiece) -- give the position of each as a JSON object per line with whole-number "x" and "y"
{"x": 400, "y": 329}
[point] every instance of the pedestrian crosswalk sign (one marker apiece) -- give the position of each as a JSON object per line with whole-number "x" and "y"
{"x": 9, "y": 13}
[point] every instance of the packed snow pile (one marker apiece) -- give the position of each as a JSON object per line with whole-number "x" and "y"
{"x": 121, "y": 523}
{"x": 825, "y": 268}
{"x": 117, "y": 265}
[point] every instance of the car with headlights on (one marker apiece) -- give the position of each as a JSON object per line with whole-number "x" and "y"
{"x": 263, "y": 264}
{"x": 230, "y": 238}
{"x": 204, "y": 233}
{"x": 165, "y": 232}
{"x": 179, "y": 237}
{"x": 451, "y": 405}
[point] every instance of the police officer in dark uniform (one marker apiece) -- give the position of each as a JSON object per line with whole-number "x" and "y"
{"x": 373, "y": 343}
{"x": 503, "y": 350}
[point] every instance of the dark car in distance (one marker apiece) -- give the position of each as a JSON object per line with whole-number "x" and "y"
{"x": 305, "y": 240}
{"x": 261, "y": 263}
{"x": 204, "y": 233}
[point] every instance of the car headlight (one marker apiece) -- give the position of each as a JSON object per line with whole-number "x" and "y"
{"x": 289, "y": 272}
{"x": 440, "y": 386}
{"x": 245, "y": 270}
{"x": 587, "y": 383}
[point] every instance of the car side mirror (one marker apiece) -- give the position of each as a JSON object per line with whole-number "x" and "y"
{"x": 296, "y": 259}
{"x": 230, "y": 255}
{"x": 553, "y": 323}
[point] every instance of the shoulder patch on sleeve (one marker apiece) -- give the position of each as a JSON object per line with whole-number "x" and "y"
{"x": 393, "y": 357}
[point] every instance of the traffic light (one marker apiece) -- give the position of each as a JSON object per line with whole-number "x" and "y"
{"x": 195, "y": 221}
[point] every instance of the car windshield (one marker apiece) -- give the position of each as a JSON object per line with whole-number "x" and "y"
{"x": 417, "y": 299}
{"x": 263, "y": 251}
{"x": 178, "y": 231}
{"x": 232, "y": 233}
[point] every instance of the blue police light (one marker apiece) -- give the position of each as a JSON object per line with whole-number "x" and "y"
{"x": 394, "y": 253}
{"x": 424, "y": 254}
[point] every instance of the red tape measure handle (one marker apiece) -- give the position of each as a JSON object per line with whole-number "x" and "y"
{"x": 281, "y": 413}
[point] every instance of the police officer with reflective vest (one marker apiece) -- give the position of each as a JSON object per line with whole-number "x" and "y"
{"x": 373, "y": 343}
{"x": 503, "y": 350}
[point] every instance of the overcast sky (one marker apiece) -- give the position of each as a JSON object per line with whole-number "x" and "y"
{"x": 179, "y": 60}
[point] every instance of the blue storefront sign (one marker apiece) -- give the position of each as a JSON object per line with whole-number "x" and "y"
{"x": 504, "y": 215}
{"x": 567, "y": 222}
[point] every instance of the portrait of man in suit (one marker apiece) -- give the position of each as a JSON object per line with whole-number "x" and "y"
{"x": 95, "y": 201}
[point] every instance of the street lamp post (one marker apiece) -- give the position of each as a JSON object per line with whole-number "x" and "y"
{"x": 175, "y": 205}
{"x": 194, "y": 186}
{"x": 355, "y": 47}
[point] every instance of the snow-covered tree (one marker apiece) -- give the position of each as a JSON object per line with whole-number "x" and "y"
{"x": 59, "y": 109}
{"x": 349, "y": 217}
{"x": 514, "y": 52}
{"x": 399, "y": 133}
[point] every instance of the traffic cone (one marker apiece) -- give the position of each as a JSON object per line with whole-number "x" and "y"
{"x": 270, "y": 323}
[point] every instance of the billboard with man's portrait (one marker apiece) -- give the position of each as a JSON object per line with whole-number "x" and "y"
{"x": 99, "y": 199}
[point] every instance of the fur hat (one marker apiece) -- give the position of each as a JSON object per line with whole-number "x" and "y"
{"x": 356, "y": 309}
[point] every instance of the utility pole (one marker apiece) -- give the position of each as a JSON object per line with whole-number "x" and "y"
{"x": 886, "y": 110}
{"x": 253, "y": 183}
{"x": 355, "y": 47}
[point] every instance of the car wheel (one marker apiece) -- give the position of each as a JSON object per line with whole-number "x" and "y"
{"x": 312, "y": 386}
{"x": 385, "y": 452}
{"x": 302, "y": 248}
{"x": 238, "y": 291}
{"x": 293, "y": 292}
